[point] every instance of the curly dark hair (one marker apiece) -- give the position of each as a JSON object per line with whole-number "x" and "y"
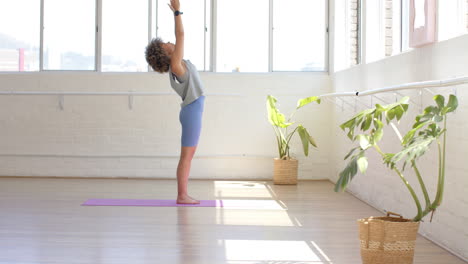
{"x": 156, "y": 56}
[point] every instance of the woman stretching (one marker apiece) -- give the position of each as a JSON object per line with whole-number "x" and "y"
{"x": 167, "y": 57}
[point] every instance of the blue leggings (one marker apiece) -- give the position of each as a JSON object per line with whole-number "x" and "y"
{"x": 191, "y": 119}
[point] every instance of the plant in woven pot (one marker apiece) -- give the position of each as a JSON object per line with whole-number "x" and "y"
{"x": 285, "y": 167}
{"x": 392, "y": 239}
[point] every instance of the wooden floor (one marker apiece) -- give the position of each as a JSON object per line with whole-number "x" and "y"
{"x": 41, "y": 221}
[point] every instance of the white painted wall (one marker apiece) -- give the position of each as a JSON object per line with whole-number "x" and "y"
{"x": 99, "y": 136}
{"x": 382, "y": 188}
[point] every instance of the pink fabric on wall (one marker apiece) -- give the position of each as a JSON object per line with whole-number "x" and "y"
{"x": 426, "y": 34}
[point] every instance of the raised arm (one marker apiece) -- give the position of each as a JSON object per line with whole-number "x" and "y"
{"x": 177, "y": 65}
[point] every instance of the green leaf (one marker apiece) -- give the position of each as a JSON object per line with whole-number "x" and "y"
{"x": 410, "y": 135}
{"x": 378, "y": 124}
{"x": 362, "y": 163}
{"x": 364, "y": 142}
{"x": 418, "y": 123}
{"x": 284, "y": 146}
{"x": 346, "y": 175}
{"x": 350, "y": 153}
{"x": 388, "y": 159}
{"x": 304, "y": 138}
{"x": 414, "y": 150}
{"x": 440, "y": 100}
{"x": 274, "y": 116}
{"x": 437, "y": 118}
{"x": 396, "y": 110}
{"x": 351, "y": 134}
{"x": 452, "y": 103}
{"x": 378, "y": 134}
{"x": 399, "y": 111}
{"x": 390, "y": 115}
{"x": 347, "y": 124}
{"x": 433, "y": 129}
{"x": 404, "y": 100}
{"x": 272, "y": 111}
{"x": 308, "y": 100}
{"x": 445, "y": 110}
{"x": 430, "y": 110}
{"x": 366, "y": 124}
{"x": 312, "y": 141}
{"x": 378, "y": 111}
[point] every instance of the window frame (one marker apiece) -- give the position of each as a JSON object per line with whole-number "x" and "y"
{"x": 326, "y": 66}
{"x": 210, "y": 38}
{"x": 347, "y": 38}
{"x": 213, "y": 56}
{"x": 41, "y": 44}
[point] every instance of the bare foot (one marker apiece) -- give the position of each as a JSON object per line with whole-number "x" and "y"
{"x": 185, "y": 199}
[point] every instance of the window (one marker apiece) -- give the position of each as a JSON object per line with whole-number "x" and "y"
{"x": 405, "y": 16}
{"x": 195, "y": 20}
{"x": 111, "y": 35}
{"x": 299, "y": 39}
{"x": 347, "y": 34}
{"x": 242, "y": 36}
{"x": 375, "y": 30}
{"x": 19, "y": 35}
{"x": 452, "y": 19}
{"x": 69, "y": 34}
{"x": 124, "y": 35}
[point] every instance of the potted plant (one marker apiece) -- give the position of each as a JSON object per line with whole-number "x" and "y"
{"x": 392, "y": 239}
{"x": 285, "y": 167}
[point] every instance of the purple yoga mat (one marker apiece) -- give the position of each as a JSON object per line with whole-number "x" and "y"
{"x": 234, "y": 204}
{"x": 138, "y": 202}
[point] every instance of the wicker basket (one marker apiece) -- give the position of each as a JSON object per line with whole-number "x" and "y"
{"x": 387, "y": 240}
{"x": 285, "y": 171}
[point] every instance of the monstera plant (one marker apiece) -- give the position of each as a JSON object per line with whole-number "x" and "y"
{"x": 285, "y": 171}
{"x": 429, "y": 127}
{"x": 367, "y": 129}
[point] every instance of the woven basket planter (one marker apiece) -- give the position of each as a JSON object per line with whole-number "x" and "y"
{"x": 387, "y": 240}
{"x": 285, "y": 171}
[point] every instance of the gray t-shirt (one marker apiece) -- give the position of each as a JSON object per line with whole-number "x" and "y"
{"x": 189, "y": 87}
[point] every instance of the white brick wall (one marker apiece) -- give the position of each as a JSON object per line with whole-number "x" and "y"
{"x": 353, "y": 28}
{"x": 381, "y": 187}
{"x": 388, "y": 27}
{"x": 99, "y": 136}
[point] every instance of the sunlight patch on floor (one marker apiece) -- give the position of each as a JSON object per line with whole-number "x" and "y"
{"x": 250, "y": 204}
{"x": 250, "y": 189}
{"x": 254, "y": 218}
{"x": 271, "y": 251}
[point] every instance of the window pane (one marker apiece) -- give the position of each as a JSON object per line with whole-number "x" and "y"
{"x": 375, "y": 30}
{"x": 19, "y": 35}
{"x": 193, "y": 20}
{"x": 124, "y": 35}
{"x": 69, "y": 34}
{"x": 346, "y": 34}
{"x": 451, "y": 19}
{"x": 405, "y": 17}
{"x": 208, "y": 36}
{"x": 242, "y": 36}
{"x": 299, "y": 36}
{"x": 154, "y": 6}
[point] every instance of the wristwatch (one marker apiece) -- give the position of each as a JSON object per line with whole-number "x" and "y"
{"x": 177, "y": 12}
